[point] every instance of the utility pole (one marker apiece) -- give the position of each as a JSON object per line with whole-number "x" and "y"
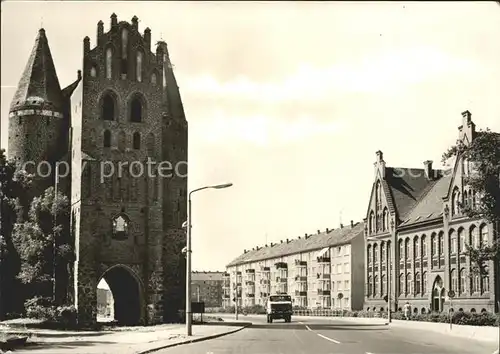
{"x": 54, "y": 244}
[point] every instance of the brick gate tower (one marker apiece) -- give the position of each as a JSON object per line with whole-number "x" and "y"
{"x": 119, "y": 124}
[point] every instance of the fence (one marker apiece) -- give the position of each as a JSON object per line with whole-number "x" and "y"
{"x": 338, "y": 313}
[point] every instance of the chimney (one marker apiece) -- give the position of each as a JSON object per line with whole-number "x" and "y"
{"x": 244, "y": 251}
{"x": 266, "y": 244}
{"x": 380, "y": 156}
{"x": 319, "y": 232}
{"x": 428, "y": 169}
{"x": 327, "y": 231}
{"x": 281, "y": 241}
{"x": 86, "y": 45}
{"x": 341, "y": 226}
{"x": 287, "y": 241}
{"x": 299, "y": 237}
{"x": 379, "y": 164}
{"x": 272, "y": 244}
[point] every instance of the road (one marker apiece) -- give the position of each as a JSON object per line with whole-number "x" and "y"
{"x": 329, "y": 336}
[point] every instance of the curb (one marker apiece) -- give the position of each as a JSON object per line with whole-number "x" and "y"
{"x": 194, "y": 340}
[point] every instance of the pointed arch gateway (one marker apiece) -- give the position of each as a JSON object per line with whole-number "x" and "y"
{"x": 438, "y": 292}
{"x": 127, "y": 294}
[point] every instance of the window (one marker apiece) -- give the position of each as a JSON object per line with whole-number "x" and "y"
{"x": 417, "y": 283}
{"x": 475, "y": 286}
{"x": 346, "y": 285}
{"x": 372, "y": 222}
{"x": 441, "y": 243}
{"x": 434, "y": 245}
{"x": 370, "y": 289}
{"x": 109, "y": 63}
{"x": 375, "y": 254}
{"x": 409, "y": 284}
{"x": 384, "y": 220}
{"x": 416, "y": 248}
{"x": 401, "y": 250}
{"x": 93, "y": 71}
{"x": 462, "y": 281}
{"x": 473, "y": 236}
{"x": 384, "y": 284}
{"x": 108, "y": 107}
{"x": 382, "y": 253}
{"x": 424, "y": 283}
{"x": 485, "y": 281}
{"x": 153, "y": 79}
{"x": 401, "y": 284}
{"x": 376, "y": 285}
{"x": 455, "y": 202}
{"x": 346, "y": 268}
{"x": 454, "y": 280}
{"x": 107, "y": 139}
{"x": 139, "y": 66}
{"x": 453, "y": 242}
{"x": 137, "y": 141}
{"x": 407, "y": 249}
{"x": 124, "y": 63}
{"x": 461, "y": 237}
{"x": 369, "y": 255}
{"x": 483, "y": 231}
{"x": 136, "y": 110}
{"x": 379, "y": 194}
{"x": 120, "y": 227}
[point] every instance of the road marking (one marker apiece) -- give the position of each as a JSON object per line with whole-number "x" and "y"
{"x": 327, "y": 338}
{"x": 322, "y": 336}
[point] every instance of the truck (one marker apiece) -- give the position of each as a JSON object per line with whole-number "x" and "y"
{"x": 279, "y": 307}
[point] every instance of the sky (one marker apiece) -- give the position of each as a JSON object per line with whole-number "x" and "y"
{"x": 290, "y": 101}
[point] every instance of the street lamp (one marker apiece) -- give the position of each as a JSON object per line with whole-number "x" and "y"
{"x": 188, "y": 224}
{"x": 389, "y": 277}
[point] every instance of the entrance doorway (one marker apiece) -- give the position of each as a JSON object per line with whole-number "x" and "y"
{"x": 119, "y": 297}
{"x": 437, "y": 295}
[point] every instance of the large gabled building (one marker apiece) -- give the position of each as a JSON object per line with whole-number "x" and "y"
{"x": 415, "y": 224}
{"x": 313, "y": 269}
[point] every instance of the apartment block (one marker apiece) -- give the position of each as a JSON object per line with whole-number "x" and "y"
{"x": 322, "y": 270}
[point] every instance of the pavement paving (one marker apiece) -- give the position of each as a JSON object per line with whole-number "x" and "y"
{"x": 142, "y": 341}
{"x": 328, "y": 336}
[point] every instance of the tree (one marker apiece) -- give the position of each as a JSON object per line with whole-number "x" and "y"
{"x": 13, "y": 201}
{"x": 483, "y": 153}
{"x": 42, "y": 242}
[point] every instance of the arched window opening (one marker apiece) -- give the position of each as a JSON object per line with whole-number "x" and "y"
{"x": 153, "y": 79}
{"x": 441, "y": 243}
{"x": 93, "y": 71}
{"x": 120, "y": 227}
{"x": 409, "y": 284}
{"x": 417, "y": 283}
{"x": 466, "y": 199}
{"x": 136, "y": 110}
{"x": 384, "y": 285}
{"x": 407, "y": 249}
{"x": 370, "y": 289}
{"x": 369, "y": 254}
{"x": 108, "y": 108}
{"x": 483, "y": 231}
{"x": 372, "y": 222}
{"x": 462, "y": 247}
{"x": 401, "y": 284}
{"x": 379, "y": 194}
{"x": 384, "y": 220}
{"x": 434, "y": 245}
{"x": 124, "y": 63}
{"x": 382, "y": 253}
{"x": 453, "y": 242}
{"x": 463, "y": 281}
{"x": 454, "y": 280}
{"x": 107, "y": 139}
{"x": 109, "y": 63}
{"x": 424, "y": 246}
{"x": 375, "y": 285}
{"x": 137, "y": 141}
{"x": 455, "y": 202}
{"x": 401, "y": 250}
{"x": 424, "y": 283}
{"x": 416, "y": 248}
{"x": 375, "y": 254}
{"x": 139, "y": 66}
{"x": 485, "y": 279}
{"x": 473, "y": 236}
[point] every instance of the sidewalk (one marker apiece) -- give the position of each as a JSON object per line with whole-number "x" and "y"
{"x": 141, "y": 341}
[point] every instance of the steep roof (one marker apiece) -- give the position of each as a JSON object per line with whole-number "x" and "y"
{"x": 430, "y": 206}
{"x": 39, "y": 84}
{"x": 332, "y": 238}
{"x": 407, "y": 186}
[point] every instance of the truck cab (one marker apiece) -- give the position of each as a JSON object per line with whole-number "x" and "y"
{"x": 279, "y": 307}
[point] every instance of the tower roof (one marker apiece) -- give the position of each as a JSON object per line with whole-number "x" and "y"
{"x": 39, "y": 85}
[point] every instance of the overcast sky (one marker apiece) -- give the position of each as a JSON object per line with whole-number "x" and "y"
{"x": 290, "y": 101}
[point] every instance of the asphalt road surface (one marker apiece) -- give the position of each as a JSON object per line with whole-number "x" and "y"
{"x": 330, "y": 336}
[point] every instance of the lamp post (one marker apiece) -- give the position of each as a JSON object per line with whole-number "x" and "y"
{"x": 389, "y": 277}
{"x": 188, "y": 254}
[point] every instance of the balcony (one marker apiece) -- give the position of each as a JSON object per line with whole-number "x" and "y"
{"x": 226, "y": 275}
{"x": 323, "y": 292}
{"x": 300, "y": 293}
{"x": 281, "y": 265}
{"x": 323, "y": 276}
{"x": 323, "y": 259}
{"x": 250, "y": 295}
{"x": 301, "y": 278}
{"x": 250, "y": 271}
{"x": 281, "y": 280}
{"x": 238, "y": 284}
{"x": 300, "y": 263}
{"x": 266, "y": 269}
{"x": 249, "y": 282}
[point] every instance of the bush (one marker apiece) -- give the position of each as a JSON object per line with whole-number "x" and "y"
{"x": 40, "y": 308}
